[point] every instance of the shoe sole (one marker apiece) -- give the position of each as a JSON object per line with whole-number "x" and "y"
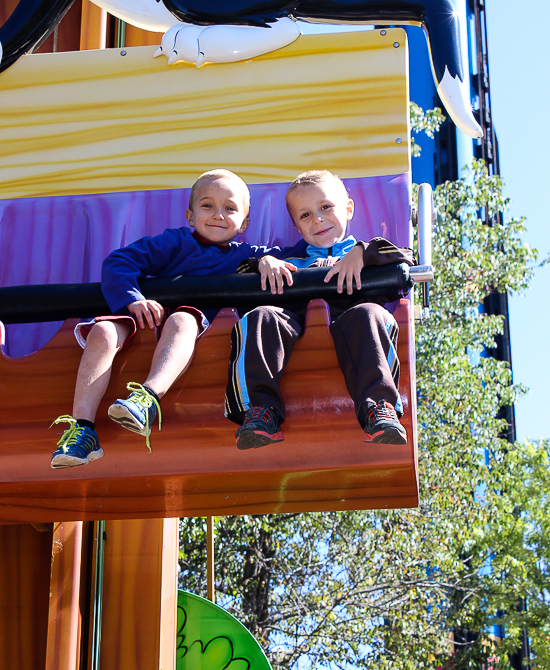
{"x": 67, "y": 461}
{"x": 123, "y": 417}
{"x": 255, "y": 440}
{"x": 387, "y": 436}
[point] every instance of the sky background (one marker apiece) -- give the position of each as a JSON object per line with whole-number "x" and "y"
{"x": 520, "y": 98}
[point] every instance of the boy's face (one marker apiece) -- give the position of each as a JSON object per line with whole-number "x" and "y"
{"x": 218, "y": 213}
{"x": 321, "y": 212}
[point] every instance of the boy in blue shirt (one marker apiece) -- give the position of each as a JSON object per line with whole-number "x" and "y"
{"x": 365, "y": 333}
{"x": 218, "y": 211}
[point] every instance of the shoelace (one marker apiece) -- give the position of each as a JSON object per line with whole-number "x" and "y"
{"x": 71, "y": 434}
{"x": 258, "y": 413}
{"x": 143, "y": 398}
{"x": 382, "y": 411}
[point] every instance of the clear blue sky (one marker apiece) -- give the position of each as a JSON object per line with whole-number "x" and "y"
{"x": 520, "y": 95}
{"x": 519, "y": 58}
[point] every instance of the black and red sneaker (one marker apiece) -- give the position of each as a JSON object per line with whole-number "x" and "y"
{"x": 382, "y": 425}
{"x": 260, "y": 427}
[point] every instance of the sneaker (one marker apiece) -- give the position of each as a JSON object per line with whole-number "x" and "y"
{"x": 137, "y": 412}
{"x": 78, "y": 445}
{"x": 382, "y": 425}
{"x": 260, "y": 427}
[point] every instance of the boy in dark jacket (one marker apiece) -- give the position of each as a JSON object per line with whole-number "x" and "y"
{"x": 365, "y": 333}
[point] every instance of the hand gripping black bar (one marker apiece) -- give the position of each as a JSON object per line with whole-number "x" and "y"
{"x": 57, "y": 302}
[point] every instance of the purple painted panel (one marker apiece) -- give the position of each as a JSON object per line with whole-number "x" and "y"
{"x": 64, "y": 239}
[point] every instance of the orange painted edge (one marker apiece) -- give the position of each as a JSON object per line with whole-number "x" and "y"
{"x": 64, "y": 618}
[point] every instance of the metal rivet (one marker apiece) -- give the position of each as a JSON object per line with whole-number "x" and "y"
{"x": 123, "y": 52}
{"x": 396, "y": 45}
{"x": 398, "y": 140}
{"x": 383, "y": 32}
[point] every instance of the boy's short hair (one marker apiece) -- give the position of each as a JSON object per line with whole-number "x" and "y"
{"x": 220, "y": 174}
{"x": 314, "y": 177}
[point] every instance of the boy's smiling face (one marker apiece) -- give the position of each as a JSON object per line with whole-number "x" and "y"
{"x": 220, "y": 210}
{"x": 321, "y": 212}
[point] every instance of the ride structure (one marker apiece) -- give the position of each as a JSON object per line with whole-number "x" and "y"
{"x": 222, "y": 32}
{"x": 100, "y": 148}
{"x": 103, "y": 132}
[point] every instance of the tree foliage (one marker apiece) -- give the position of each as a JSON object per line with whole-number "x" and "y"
{"x": 427, "y": 122}
{"x": 385, "y": 589}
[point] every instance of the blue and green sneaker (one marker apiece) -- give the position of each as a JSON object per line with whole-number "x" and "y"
{"x": 78, "y": 445}
{"x": 137, "y": 412}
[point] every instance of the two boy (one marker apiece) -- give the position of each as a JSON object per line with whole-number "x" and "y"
{"x": 218, "y": 210}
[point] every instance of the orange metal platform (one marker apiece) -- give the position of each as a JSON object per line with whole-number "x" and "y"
{"x": 194, "y": 468}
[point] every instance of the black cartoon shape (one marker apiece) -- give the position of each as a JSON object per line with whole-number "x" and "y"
{"x": 33, "y": 20}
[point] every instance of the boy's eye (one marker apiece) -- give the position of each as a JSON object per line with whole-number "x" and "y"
{"x": 231, "y": 209}
{"x": 206, "y": 205}
{"x": 304, "y": 215}
{"x": 326, "y": 206}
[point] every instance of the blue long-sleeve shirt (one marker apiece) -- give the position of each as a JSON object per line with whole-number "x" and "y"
{"x": 176, "y": 251}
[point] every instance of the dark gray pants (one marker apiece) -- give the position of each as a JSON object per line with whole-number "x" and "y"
{"x": 365, "y": 338}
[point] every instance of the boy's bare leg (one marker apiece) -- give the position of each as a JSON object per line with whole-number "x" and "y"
{"x": 173, "y": 353}
{"x": 104, "y": 341}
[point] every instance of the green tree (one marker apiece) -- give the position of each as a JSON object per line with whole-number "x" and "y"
{"x": 384, "y": 589}
{"x": 427, "y": 122}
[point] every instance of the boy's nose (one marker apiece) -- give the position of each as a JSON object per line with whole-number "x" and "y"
{"x": 218, "y": 214}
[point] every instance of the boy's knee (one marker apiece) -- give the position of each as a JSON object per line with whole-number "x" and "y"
{"x": 182, "y": 321}
{"x": 262, "y": 313}
{"x": 260, "y": 319}
{"x": 372, "y": 310}
{"x": 103, "y": 333}
{"x": 107, "y": 336}
{"x": 365, "y": 315}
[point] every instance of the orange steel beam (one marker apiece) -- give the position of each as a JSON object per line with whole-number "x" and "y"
{"x": 25, "y": 556}
{"x": 64, "y": 621}
{"x": 169, "y": 594}
{"x": 93, "y": 28}
{"x": 66, "y": 35}
{"x": 135, "y": 37}
{"x": 139, "y": 595}
{"x": 6, "y": 8}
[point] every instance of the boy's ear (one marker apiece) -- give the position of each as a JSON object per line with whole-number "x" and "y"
{"x": 245, "y": 225}
{"x": 189, "y": 215}
{"x": 350, "y": 209}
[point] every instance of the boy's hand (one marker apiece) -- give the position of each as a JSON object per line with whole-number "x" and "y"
{"x": 347, "y": 269}
{"x": 275, "y": 270}
{"x": 147, "y": 311}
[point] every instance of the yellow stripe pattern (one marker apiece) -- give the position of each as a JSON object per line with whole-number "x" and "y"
{"x": 99, "y": 121}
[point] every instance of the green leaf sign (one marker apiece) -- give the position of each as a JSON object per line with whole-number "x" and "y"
{"x": 209, "y": 638}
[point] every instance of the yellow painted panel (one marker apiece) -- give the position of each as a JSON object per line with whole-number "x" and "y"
{"x": 98, "y": 121}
